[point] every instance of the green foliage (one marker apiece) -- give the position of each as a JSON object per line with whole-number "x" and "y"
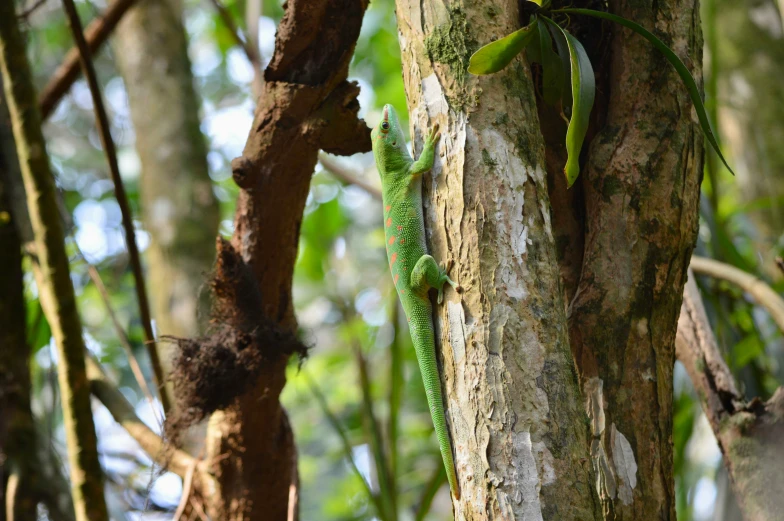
{"x": 583, "y": 89}
{"x": 580, "y": 81}
{"x": 495, "y": 56}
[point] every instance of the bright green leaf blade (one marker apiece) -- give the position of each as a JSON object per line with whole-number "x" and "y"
{"x": 683, "y": 72}
{"x": 552, "y": 70}
{"x": 496, "y": 55}
{"x": 583, "y": 86}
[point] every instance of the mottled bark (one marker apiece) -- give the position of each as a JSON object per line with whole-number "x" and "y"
{"x": 306, "y": 105}
{"x": 53, "y": 280}
{"x": 179, "y": 209}
{"x": 750, "y": 434}
{"x": 641, "y": 187}
{"x": 516, "y": 419}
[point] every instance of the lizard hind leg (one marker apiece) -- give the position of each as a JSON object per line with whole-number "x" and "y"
{"x": 427, "y": 274}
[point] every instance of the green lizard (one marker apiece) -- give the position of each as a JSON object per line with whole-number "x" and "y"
{"x": 414, "y": 271}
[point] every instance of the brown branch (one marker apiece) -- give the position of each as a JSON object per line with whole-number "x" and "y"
{"x": 51, "y": 270}
{"x": 30, "y": 10}
{"x": 750, "y": 435}
{"x": 762, "y": 293}
{"x": 66, "y": 74}
{"x": 172, "y": 459}
{"x": 102, "y": 122}
{"x": 343, "y": 174}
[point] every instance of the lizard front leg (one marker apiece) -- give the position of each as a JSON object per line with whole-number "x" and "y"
{"x": 427, "y": 274}
{"x": 428, "y": 155}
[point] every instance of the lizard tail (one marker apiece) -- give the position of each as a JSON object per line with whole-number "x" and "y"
{"x": 424, "y": 344}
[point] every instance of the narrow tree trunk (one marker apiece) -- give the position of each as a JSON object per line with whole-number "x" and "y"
{"x": 52, "y": 274}
{"x": 306, "y": 105}
{"x": 517, "y": 422}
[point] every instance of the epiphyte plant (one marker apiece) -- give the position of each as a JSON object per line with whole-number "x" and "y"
{"x": 567, "y": 74}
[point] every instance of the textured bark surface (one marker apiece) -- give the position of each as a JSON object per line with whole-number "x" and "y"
{"x": 306, "y": 105}
{"x": 750, "y": 434}
{"x": 641, "y": 187}
{"x": 52, "y": 275}
{"x": 516, "y": 419}
{"x": 179, "y": 209}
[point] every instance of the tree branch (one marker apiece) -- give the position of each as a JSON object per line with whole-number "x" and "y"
{"x": 343, "y": 174}
{"x": 96, "y": 34}
{"x": 246, "y": 43}
{"x": 51, "y": 271}
{"x": 750, "y": 435}
{"x": 102, "y": 122}
{"x": 123, "y": 413}
{"x": 762, "y": 293}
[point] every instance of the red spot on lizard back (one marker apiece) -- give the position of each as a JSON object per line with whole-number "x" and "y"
{"x": 394, "y": 258}
{"x": 399, "y": 227}
{"x": 397, "y": 276}
{"x": 389, "y": 222}
{"x": 387, "y": 208}
{"x": 392, "y": 240}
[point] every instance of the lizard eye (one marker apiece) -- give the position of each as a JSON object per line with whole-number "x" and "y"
{"x": 385, "y": 126}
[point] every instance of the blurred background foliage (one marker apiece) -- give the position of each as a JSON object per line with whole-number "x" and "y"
{"x": 344, "y": 300}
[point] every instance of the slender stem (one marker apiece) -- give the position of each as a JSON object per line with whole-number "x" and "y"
{"x": 104, "y": 129}
{"x": 247, "y": 44}
{"x": 762, "y": 293}
{"x": 68, "y": 71}
{"x": 52, "y": 274}
{"x": 334, "y": 168}
{"x": 133, "y": 362}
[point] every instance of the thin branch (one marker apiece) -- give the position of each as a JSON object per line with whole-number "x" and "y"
{"x": 762, "y": 293}
{"x": 51, "y": 270}
{"x": 172, "y": 459}
{"x": 30, "y": 10}
{"x": 133, "y": 362}
{"x": 102, "y": 122}
{"x": 187, "y": 486}
{"x": 343, "y": 174}
{"x": 246, "y": 43}
{"x": 66, "y": 74}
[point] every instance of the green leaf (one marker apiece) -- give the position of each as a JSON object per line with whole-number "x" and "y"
{"x": 552, "y": 69}
{"x": 683, "y": 72}
{"x": 583, "y": 86}
{"x": 496, "y": 55}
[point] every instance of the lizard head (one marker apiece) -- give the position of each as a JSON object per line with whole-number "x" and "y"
{"x": 387, "y": 137}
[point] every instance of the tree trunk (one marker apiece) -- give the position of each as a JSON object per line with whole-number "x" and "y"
{"x": 52, "y": 272}
{"x": 625, "y": 233}
{"x": 306, "y": 105}
{"x": 517, "y": 422}
{"x": 178, "y": 206}
{"x": 641, "y": 196}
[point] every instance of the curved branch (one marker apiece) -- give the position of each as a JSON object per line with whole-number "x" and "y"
{"x": 762, "y": 293}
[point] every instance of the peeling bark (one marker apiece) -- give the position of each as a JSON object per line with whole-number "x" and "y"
{"x": 514, "y": 409}
{"x": 641, "y": 187}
